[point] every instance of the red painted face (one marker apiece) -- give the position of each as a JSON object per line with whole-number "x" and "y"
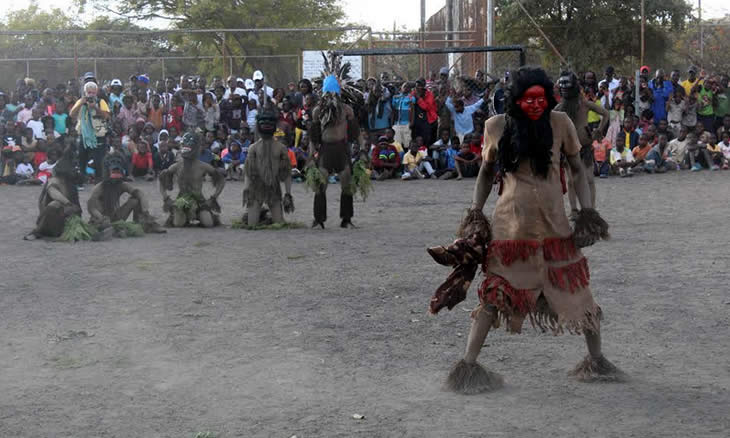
{"x": 534, "y": 102}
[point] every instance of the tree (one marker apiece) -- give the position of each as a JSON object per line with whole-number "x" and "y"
{"x": 592, "y": 34}
{"x": 231, "y": 14}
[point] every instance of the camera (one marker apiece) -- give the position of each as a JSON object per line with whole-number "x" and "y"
{"x": 91, "y": 99}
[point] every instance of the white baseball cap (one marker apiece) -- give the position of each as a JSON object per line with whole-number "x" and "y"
{"x": 257, "y": 75}
{"x": 116, "y": 82}
{"x": 249, "y": 83}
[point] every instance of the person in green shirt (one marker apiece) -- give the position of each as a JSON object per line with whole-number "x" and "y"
{"x": 721, "y": 102}
{"x": 705, "y": 107}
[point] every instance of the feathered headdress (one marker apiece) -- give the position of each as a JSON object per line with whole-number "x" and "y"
{"x": 337, "y": 86}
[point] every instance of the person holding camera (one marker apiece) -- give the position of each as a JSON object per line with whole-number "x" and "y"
{"x": 92, "y": 114}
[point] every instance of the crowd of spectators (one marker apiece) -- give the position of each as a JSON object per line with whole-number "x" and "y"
{"x": 428, "y": 128}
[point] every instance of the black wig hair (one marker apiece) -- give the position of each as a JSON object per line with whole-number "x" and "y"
{"x": 522, "y": 137}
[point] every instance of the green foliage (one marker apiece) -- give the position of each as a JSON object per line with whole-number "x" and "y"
{"x": 189, "y": 202}
{"x": 75, "y": 229}
{"x": 127, "y": 229}
{"x": 592, "y": 34}
{"x": 237, "y": 224}
{"x": 314, "y": 178}
{"x": 360, "y": 182}
{"x": 205, "y": 435}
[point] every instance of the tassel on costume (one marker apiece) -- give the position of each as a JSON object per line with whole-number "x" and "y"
{"x": 509, "y": 251}
{"x": 559, "y": 249}
{"x": 497, "y": 291}
{"x": 570, "y": 277}
{"x": 589, "y": 227}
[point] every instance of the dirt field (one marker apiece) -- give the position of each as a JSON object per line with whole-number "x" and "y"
{"x": 282, "y": 333}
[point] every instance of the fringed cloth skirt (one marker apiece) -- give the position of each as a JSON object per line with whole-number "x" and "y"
{"x": 546, "y": 281}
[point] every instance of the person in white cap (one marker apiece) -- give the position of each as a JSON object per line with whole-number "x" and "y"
{"x": 258, "y": 80}
{"x": 116, "y": 94}
{"x": 233, "y": 88}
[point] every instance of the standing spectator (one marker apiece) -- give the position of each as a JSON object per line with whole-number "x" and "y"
{"x": 601, "y": 148}
{"x": 129, "y": 113}
{"x": 425, "y": 113}
{"x": 705, "y": 110}
{"x": 26, "y": 113}
{"x": 661, "y": 91}
{"x": 403, "y": 114}
{"x": 233, "y": 88}
{"x": 92, "y": 114}
{"x": 675, "y": 110}
{"x": 721, "y": 101}
{"x": 689, "y": 118}
{"x": 193, "y": 116}
{"x": 211, "y": 110}
{"x": 116, "y": 92}
{"x": 610, "y": 83}
{"x": 462, "y": 115}
{"x": 59, "y": 120}
{"x": 676, "y": 86}
{"x": 380, "y": 109}
{"x": 36, "y": 124}
{"x": 691, "y": 82}
{"x": 305, "y": 89}
{"x": 615, "y": 121}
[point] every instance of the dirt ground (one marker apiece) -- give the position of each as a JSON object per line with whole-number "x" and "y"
{"x": 282, "y": 333}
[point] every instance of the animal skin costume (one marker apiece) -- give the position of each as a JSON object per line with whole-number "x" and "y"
{"x": 531, "y": 261}
{"x": 333, "y": 128}
{"x": 190, "y": 173}
{"x": 267, "y": 166}
{"x": 59, "y": 198}
{"x": 104, "y": 207}
{"x": 576, "y": 106}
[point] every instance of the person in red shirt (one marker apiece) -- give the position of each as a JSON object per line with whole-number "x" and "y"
{"x": 385, "y": 159}
{"x": 142, "y": 162}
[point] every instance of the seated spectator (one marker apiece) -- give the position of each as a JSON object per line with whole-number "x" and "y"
{"x": 438, "y": 149}
{"x": 416, "y": 164}
{"x": 45, "y": 169}
{"x": 641, "y": 152}
{"x": 622, "y": 160}
{"x": 725, "y": 127}
{"x": 628, "y": 136}
{"x": 142, "y": 162}
{"x": 658, "y": 157}
{"x": 233, "y": 161}
{"x": 24, "y": 170}
{"x": 698, "y": 156}
{"x": 725, "y": 148}
{"x": 385, "y": 160}
{"x": 677, "y": 148}
{"x": 165, "y": 156}
{"x": 390, "y": 134}
{"x": 662, "y": 127}
{"x": 601, "y": 148}
{"x": 718, "y": 159}
{"x": 467, "y": 163}
{"x": 449, "y": 154}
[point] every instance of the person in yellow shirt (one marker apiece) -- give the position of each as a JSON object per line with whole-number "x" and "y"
{"x": 390, "y": 133}
{"x": 692, "y": 81}
{"x": 715, "y": 151}
{"x": 415, "y": 163}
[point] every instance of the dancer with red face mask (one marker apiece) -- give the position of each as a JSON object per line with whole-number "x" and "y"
{"x": 533, "y": 267}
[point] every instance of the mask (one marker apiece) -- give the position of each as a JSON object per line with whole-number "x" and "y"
{"x": 568, "y": 86}
{"x": 533, "y": 102}
{"x": 113, "y": 165}
{"x": 266, "y": 121}
{"x": 190, "y": 148}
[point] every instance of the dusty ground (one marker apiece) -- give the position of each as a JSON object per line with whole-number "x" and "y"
{"x": 274, "y": 334}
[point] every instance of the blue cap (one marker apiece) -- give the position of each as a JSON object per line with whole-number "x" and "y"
{"x": 331, "y": 85}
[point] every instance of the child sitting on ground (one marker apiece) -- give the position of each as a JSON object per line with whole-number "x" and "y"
{"x": 622, "y": 160}
{"x": 45, "y": 169}
{"x": 467, "y": 162}
{"x": 697, "y": 154}
{"x": 601, "y": 146}
{"x": 233, "y": 161}
{"x": 725, "y": 148}
{"x": 415, "y": 163}
{"x": 142, "y": 163}
{"x": 716, "y": 154}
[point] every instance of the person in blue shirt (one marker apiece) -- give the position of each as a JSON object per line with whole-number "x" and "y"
{"x": 378, "y": 103}
{"x": 233, "y": 161}
{"x": 450, "y": 171}
{"x": 403, "y": 114}
{"x": 462, "y": 115}
{"x": 662, "y": 90}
